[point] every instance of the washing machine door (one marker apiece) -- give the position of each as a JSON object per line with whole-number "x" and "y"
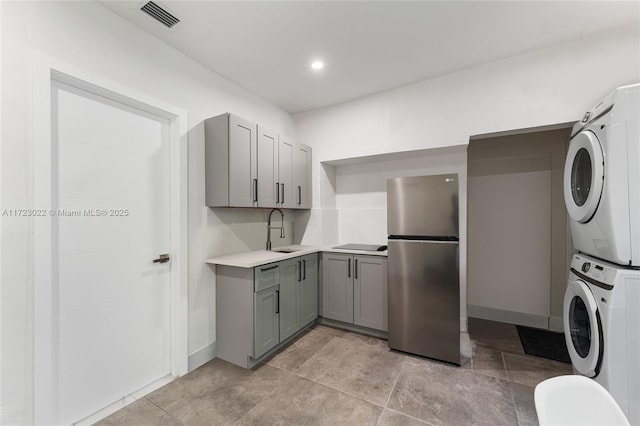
{"x": 583, "y": 176}
{"x": 583, "y": 328}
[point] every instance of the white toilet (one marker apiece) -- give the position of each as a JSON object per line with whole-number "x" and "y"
{"x": 576, "y": 400}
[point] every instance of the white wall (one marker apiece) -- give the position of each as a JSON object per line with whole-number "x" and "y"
{"x": 518, "y": 237}
{"x": 361, "y": 192}
{"x": 537, "y": 88}
{"x": 91, "y": 38}
{"x": 509, "y": 261}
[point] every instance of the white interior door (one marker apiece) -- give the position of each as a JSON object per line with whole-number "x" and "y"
{"x": 111, "y": 181}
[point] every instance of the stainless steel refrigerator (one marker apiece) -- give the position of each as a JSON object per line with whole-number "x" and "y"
{"x": 423, "y": 265}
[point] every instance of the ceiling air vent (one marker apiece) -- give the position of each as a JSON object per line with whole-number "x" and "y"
{"x": 159, "y": 14}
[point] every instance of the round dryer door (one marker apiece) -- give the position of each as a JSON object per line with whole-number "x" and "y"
{"x": 583, "y": 331}
{"x": 583, "y": 176}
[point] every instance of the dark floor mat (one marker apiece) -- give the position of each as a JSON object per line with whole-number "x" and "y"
{"x": 544, "y": 343}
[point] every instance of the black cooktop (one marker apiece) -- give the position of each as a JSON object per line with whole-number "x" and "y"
{"x": 364, "y": 247}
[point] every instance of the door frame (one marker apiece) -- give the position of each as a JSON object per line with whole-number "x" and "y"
{"x": 46, "y": 70}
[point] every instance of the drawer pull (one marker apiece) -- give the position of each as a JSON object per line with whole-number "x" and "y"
{"x": 269, "y": 268}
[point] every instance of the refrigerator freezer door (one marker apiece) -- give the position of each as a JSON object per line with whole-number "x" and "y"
{"x": 423, "y": 205}
{"x": 424, "y": 299}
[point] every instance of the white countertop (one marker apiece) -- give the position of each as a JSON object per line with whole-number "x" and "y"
{"x": 261, "y": 257}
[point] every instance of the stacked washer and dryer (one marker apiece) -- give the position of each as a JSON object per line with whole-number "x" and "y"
{"x": 602, "y": 195}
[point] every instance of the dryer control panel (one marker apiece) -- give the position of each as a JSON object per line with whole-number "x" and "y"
{"x": 593, "y": 269}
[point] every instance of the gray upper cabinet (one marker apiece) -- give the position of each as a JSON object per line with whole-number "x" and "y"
{"x": 268, "y": 186}
{"x": 354, "y": 289}
{"x": 285, "y": 172}
{"x": 248, "y": 165}
{"x": 302, "y": 176}
{"x": 231, "y": 162}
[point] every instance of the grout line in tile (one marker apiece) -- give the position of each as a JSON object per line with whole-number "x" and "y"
{"x": 327, "y": 387}
{"x": 332, "y": 388}
{"x": 341, "y": 391}
{"x": 162, "y": 409}
{"x": 513, "y": 401}
{"x": 381, "y": 415}
{"x": 295, "y": 372}
{"x": 395, "y": 383}
{"x": 247, "y": 413}
{"x": 411, "y": 417}
{"x": 504, "y": 365}
{"x": 266, "y": 397}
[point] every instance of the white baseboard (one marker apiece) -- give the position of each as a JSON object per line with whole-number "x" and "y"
{"x": 519, "y": 318}
{"x": 202, "y": 356}
{"x": 126, "y": 400}
{"x": 556, "y": 324}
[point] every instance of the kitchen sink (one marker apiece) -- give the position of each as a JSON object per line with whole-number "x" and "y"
{"x": 285, "y": 250}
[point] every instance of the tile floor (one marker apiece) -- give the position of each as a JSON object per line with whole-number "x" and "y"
{"x": 333, "y": 377}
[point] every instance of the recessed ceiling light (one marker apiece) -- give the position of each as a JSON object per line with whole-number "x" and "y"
{"x": 317, "y": 65}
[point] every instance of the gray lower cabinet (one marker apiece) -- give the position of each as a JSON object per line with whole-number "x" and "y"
{"x": 354, "y": 289}
{"x": 308, "y": 299}
{"x": 266, "y": 321}
{"x": 259, "y": 308}
{"x": 370, "y": 292}
{"x": 289, "y": 315}
{"x": 337, "y": 287}
{"x": 298, "y": 294}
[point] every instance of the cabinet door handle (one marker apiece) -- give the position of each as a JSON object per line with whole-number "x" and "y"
{"x": 277, "y": 193}
{"x": 355, "y": 269}
{"x": 349, "y": 268}
{"x": 304, "y": 269}
{"x": 299, "y": 271}
{"x": 269, "y": 268}
{"x": 299, "y": 195}
{"x": 277, "y": 301}
{"x": 255, "y": 190}
{"x": 282, "y": 187}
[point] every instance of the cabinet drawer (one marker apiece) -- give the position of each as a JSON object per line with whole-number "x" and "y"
{"x": 266, "y": 276}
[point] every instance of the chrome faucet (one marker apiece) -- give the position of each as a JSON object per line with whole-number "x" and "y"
{"x": 269, "y": 227}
